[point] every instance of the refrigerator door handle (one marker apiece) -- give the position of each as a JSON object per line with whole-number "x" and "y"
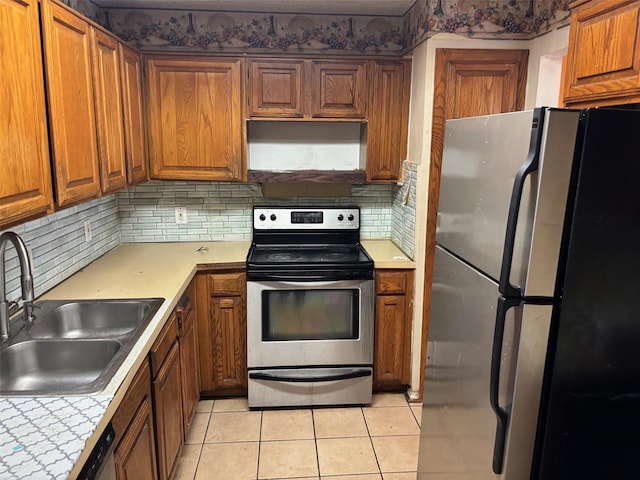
{"x": 502, "y": 414}
{"x": 530, "y": 165}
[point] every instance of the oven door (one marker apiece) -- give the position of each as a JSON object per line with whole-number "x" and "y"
{"x": 309, "y": 324}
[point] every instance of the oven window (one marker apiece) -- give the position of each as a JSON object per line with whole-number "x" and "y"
{"x": 310, "y": 314}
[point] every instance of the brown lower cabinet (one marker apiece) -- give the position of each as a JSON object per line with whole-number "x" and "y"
{"x": 156, "y": 413}
{"x": 221, "y": 299}
{"x": 188, "y": 359}
{"x": 393, "y": 320}
{"x": 135, "y": 452}
{"x": 167, "y": 398}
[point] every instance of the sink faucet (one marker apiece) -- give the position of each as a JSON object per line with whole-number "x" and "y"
{"x": 26, "y": 281}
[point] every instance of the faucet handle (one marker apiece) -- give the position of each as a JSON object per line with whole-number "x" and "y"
{"x": 13, "y": 307}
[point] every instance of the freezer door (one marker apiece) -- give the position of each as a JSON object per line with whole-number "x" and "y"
{"x": 554, "y": 171}
{"x": 480, "y": 159}
{"x": 488, "y": 209}
{"x": 458, "y": 426}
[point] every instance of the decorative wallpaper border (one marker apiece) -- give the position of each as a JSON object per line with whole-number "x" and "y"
{"x": 485, "y": 19}
{"x": 258, "y": 33}
{"x": 241, "y": 32}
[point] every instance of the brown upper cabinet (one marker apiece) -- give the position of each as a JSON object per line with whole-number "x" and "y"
{"x": 196, "y": 128}
{"x": 90, "y": 89}
{"x": 387, "y": 133}
{"x": 307, "y": 89}
{"x": 134, "y": 129}
{"x": 603, "y": 59}
{"x": 72, "y": 119}
{"x": 275, "y": 88}
{"x": 108, "y": 102}
{"x": 25, "y": 188}
{"x": 373, "y": 91}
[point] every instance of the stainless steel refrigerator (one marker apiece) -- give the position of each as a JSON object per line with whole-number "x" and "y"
{"x": 533, "y": 353}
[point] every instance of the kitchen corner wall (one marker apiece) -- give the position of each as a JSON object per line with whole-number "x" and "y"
{"x": 215, "y": 211}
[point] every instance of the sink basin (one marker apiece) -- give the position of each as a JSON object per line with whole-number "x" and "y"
{"x": 86, "y": 318}
{"x": 73, "y": 347}
{"x": 43, "y": 366}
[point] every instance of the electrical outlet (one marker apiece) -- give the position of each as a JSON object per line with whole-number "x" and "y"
{"x": 181, "y": 215}
{"x": 87, "y": 231}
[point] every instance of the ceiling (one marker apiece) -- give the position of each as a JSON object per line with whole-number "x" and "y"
{"x": 317, "y": 7}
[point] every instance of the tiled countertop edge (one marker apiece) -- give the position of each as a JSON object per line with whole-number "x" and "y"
{"x": 42, "y": 438}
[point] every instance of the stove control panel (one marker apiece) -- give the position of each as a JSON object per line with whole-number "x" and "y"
{"x": 306, "y": 218}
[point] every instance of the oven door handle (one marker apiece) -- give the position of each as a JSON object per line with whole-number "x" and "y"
{"x": 317, "y": 378}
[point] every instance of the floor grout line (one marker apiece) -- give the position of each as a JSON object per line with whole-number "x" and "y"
{"x": 379, "y": 471}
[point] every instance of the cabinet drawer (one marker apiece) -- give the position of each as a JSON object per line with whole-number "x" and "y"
{"x": 163, "y": 344}
{"x": 225, "y": 284}
{"x": 140, "y": 387}
{"x": 391, "y": 282}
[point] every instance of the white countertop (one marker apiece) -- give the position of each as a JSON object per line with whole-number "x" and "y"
{"x": 51, "y": 437}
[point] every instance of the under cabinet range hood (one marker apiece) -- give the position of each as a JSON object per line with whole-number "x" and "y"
{"x": 283, "y": 151}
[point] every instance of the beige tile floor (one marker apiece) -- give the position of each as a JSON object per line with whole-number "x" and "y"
{"x": 229, "y": 442}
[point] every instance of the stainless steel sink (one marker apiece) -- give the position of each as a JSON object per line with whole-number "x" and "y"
{"x": 43, "y": 366}
{"x": 73, "y": 347}
{"x": 86, "y": 318}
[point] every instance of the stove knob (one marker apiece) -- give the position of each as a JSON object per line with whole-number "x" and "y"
{"x": 273, "y": 217}
{"x": 262, "y": 217}
{"x": 350, "y": 218}
{"x": 340, "y": 217}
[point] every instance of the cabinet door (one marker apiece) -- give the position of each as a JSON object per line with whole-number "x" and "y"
{"x": 108, "y": 102}
{"x": 388, "y": 120}
{"x": 229, "y": 334}
{"x": 190, "y": 369}
{"x": 221, "y": 313}
{"x": 134, "y": 136}
{"x": 167, "y": 409}
{"x": 338, "y": 89}
{"x": 72, "y": 121}
{"x": 135, "y": 455}
{"x": 25, "y": 189}
{"x": 275, "y": 88}
{"x": 603, "y": 59}
{"x": 195, "y": 120}
{"x": 393, "y": 322}
{"x": 389, "y": 334}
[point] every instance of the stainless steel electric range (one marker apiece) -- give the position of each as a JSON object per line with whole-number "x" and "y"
{"x": 310, "y": 308}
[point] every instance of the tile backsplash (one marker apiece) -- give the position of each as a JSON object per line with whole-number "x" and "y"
{"x": 215, "y": 211}
{"x": 222, "y": 211}
{"x": 57, "y": 243}
{"x": 403, "y": 218}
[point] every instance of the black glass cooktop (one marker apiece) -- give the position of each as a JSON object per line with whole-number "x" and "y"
{"x": 308, "y": 262}
{"x": 288, "y": 255}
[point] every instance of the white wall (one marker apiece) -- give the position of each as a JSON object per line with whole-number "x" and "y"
{"x": 545, "y": 68}
{"x": 420, "y": 124}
